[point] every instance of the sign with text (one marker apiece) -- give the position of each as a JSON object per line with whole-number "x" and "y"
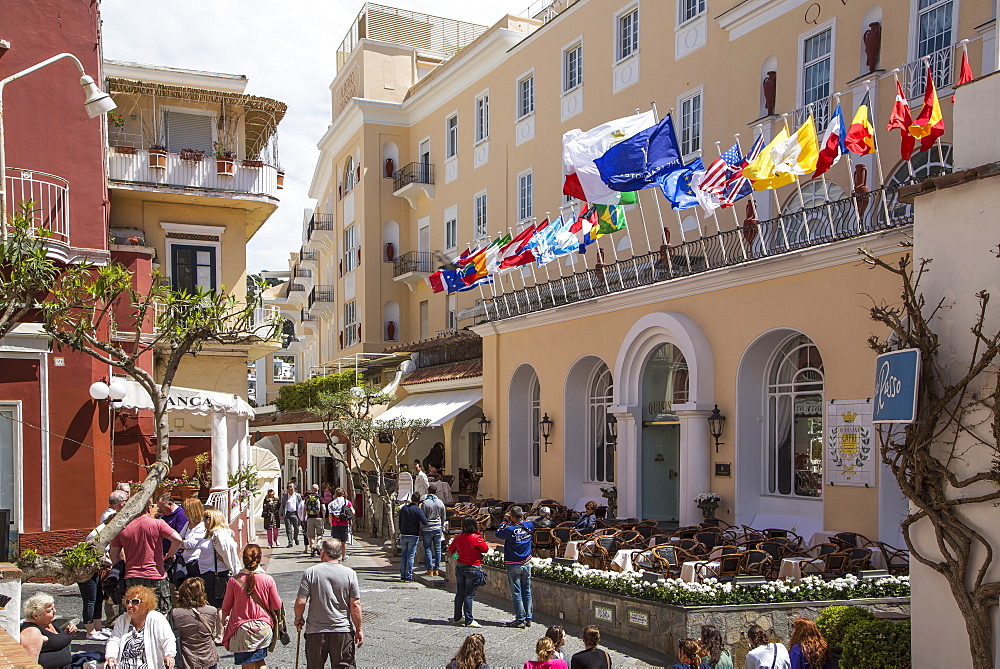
{"x": 897, "y": 377}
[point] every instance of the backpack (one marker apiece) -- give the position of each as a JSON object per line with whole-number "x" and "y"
{"x": 346, "y": 511}
{"x": 312, "y": 505}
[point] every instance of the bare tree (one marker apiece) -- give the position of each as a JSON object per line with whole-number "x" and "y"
{"x": 100, "y": 312}
{"x": 934, "y": 459}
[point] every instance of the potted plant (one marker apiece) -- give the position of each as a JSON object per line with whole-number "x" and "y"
{"x": 158, "y": 157}
{"x": 281, "y": 178}
{"x": 610, "y": 493}
{"x": 203, "y": 470}
{"x": 708, "y": 502}
{"x": 224, "y": 157}
{"x": 192, "y": 154}
{"x": 252, "y": 163}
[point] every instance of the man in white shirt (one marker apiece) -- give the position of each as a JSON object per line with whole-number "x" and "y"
{"x": 420, "y": 481}
{"x": 116, "y": 501}
{"x": 291, "y": 508}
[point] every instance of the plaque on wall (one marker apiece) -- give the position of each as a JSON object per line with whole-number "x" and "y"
{"x": 723, "y": 469}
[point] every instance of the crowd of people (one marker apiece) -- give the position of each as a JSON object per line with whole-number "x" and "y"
{"x": 180, "y": 587}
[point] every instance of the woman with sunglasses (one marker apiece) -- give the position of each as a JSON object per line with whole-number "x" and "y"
{"x": 141, "y": 638}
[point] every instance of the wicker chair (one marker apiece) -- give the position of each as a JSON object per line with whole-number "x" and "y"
{"x": 668, "y": 560}
{"x": 659, "y": 539}
{"x": 561, "y": 536}
{"x": 599, "y": 553}
{"x": 828, "y": 565}
{"x": 543, "y": 542}
{"x": 858, "y": 559}
{"x": 632, "y": 539}
{"x": 760, "y": 563}
{"x": 729, "y": 567}
{"x": 711, "y": 538}
{"x": 693, "y": 546}
{"x": 897, "y": 561}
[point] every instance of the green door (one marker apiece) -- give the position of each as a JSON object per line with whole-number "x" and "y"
{"x": 660, "y": 471}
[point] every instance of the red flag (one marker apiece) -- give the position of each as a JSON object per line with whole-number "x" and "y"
{"x": 965, "y": 75}
{"x": 437, "y": 283}
{"x": 900, "y": 119}
{"x": 929, "y": 124}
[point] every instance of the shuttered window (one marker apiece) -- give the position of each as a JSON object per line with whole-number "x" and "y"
{"x": 188, "y": 131}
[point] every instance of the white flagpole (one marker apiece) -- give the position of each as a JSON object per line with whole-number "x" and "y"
{"x": 850, "y": 173}
{"x": 895, "y": 76}
{"x": 656, "y": 200}
{"x": 732, "y": 207}
{"x": 878, "y": 154}
{"x": 663, "y": 231}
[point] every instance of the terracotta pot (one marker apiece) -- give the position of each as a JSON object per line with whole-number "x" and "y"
{"x": 224, "y": 167}
{"x": 281, "y": 179}
{"x": 158, "y": 159}
{"x": 182, "y": 492}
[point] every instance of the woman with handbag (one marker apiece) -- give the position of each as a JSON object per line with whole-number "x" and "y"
{"x": 196, "y": 624}
{"x": 193, "y": 535}
{"x": 468, "y": 549}
{"x": 272, "y": 523}
{"x": 251, "y": 599}
{"x": 221, "y": 553}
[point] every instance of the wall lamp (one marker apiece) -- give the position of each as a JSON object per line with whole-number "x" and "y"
{"x": 300, "y": 446}
{"x": 716, "y": 425}
{"x": 546, "y": 424}
{"x": 612, "y": 424}
{"x": 115, "y": 391}
{"x": 484, "y": 427}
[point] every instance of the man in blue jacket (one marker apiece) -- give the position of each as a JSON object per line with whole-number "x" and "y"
{"x": 516, "y": 534}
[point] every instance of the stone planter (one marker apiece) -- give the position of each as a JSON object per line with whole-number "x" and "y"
{"x": 659, "y": 626}
{"x": 708, "y": 509}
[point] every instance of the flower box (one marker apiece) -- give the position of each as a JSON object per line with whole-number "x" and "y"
{"x": 192, "y": 154}
{"x": 129, "y": 150}
{"x": 253, "y": 163}
{"x": 158, "y": 159}
{"x": 224, "y": 167}
{"x": 281, "y": 179}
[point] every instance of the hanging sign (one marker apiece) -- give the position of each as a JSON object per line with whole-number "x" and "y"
{"x": 897, "y": 377}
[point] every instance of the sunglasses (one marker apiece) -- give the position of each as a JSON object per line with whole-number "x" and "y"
{"x": 134, "y": 602}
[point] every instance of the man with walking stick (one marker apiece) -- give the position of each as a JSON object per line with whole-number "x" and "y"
{"x": 333, "y": 627}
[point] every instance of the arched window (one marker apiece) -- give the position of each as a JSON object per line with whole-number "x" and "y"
{"x": 795, "y": 420}
{"x": 814, "y": 223}
{"x": 925, "y": 164}
{"x": 601, "y": 450}
{"x": 536, "y": 417}
{"x": 349, "y": 175}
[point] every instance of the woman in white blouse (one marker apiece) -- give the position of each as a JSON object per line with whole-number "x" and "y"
{"x": 141, "y": 638}
{"x": 193, "y": 535}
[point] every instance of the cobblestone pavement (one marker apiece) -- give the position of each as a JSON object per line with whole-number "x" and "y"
{"x": 405, "y": 623}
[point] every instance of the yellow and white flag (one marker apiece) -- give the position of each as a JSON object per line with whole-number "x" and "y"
{"x": 761, "y": 172}
{"x": 799, "y": 153}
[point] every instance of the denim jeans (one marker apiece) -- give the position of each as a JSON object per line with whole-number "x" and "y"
{"x": 408, "y": 549}
{"x": 466, "y": 583}
{"x": 93, "y": 597}
{"x": 292, "y": 524}
{"x": 432, "y": 547}
{"x": 519, "y": 577}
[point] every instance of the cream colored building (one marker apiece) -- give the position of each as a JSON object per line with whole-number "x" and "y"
{"x": 444, "y": 136}
{"x": 193, "y": 175}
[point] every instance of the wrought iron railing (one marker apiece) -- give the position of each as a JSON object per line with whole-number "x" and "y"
{"x": 850, "y": 217}
{"x": 913, "y": 75}
{"x": 300, "y": 271}
{"x": 320, "y": 294}
{"x": 48, "y": 196}
{"x": 305, "y": 255}
{"x": 319, "y": 222}
{"x": 821, "y": 111}
{"x": 414, "y": 261}
{"x": 421, "y": 173}
{"x": 305, "y": 316}
{"x": 292, "y": 287}
{"x": 454, "y": 350}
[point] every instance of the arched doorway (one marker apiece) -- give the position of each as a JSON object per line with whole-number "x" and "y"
{"x": 523, "y": 439}
{"x": 664, "y": 386}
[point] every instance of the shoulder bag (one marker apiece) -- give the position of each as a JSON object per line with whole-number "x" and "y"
{"x": 279, "y": 626}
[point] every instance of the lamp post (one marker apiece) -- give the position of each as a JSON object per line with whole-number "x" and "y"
{"x": 484, "y": 427}
{"x": 96, "y": 103}
{"x": 546, "y": 424}
{"x": 716, "y": 425}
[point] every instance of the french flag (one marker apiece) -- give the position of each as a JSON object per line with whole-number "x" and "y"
{"x": 833, "y": 143}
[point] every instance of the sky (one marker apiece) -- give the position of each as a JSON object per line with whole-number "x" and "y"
{"x": 286, "y": 50}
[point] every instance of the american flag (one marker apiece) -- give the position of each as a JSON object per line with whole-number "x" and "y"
{"x": 738, "y": 186}
{"x": 716, "y": 177}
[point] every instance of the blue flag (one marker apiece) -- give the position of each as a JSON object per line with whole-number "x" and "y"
{"x": 676, "y": 185}
{"x": 638, "y": 161}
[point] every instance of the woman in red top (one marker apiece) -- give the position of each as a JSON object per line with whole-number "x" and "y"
{"x": 468, "y": 547}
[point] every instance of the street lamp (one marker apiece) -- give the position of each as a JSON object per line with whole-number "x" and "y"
{"x": 716, "y": 425}
{"x": 484, "y": 427}
{"x": 96, "y": 102}
{"x": 546, "y": 424}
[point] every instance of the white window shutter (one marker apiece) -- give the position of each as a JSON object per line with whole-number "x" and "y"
{"x": 188, "y": 131}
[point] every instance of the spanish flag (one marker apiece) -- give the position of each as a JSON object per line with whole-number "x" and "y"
{"x": 860, "y": 137}
{"x": 929, "y": 124}
{"x": 761, "y": 170}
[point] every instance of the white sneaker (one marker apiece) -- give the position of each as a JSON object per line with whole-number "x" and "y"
{"x": 98, "y": 636}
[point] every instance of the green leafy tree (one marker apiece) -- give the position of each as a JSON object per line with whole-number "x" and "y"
{"x": 28, "y": 271}
{"x": 99, "y": 311}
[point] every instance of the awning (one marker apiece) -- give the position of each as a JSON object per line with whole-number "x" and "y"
{"x": 436, "y": 407}
{"x": 187, "y": 400}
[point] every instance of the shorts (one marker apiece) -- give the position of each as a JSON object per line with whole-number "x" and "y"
{"x": 339, "y": 532}
{"x": 314, "y": 528}
{"x": 252, "y": 636}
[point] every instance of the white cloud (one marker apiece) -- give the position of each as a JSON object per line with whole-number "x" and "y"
{"x": 286, "y": 49}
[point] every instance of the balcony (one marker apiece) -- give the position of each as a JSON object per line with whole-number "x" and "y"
{"x": 413, "y": 268}
{"x": 411, "y": 180}
{"x": 308, "y": 256}
{"x": 307, "y": 317}
{"x": 49, "y": 198}
{"x": 913, "y": 75}
{"x": 848, "y": 218}
{"x": 322, "y": 298}
{"x": 133, "y": 168}
{"x": 321, "y": 226}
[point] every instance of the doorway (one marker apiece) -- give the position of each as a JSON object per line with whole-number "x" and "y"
{"x": 661, "y": 464}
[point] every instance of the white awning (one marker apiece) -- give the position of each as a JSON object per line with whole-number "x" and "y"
{"x": 187, "y": 400}
{"x": 436, "y": 407}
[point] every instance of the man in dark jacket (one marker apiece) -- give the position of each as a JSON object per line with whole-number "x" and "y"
{"x": 516, "y": 534}
{"x": 411, "y": 517}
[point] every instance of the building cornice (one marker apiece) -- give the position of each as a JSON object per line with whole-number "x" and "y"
{"x": 807, "y": 260}
{"x": 439, "y": 386}
{"x": 752, "y": 14}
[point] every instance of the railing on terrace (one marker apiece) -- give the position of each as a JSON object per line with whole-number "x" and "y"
{"x": 400, "y": 26}
{"x": 321, "y": 293}
{"x": 319, "y": 222}
{"x": 459, "y": 350}
{"x": 202, "y": 174}
{"x": 421, "y": 173}
{"x": 300, "y": 271}
{"x": 308, "y": 255}
{"x": 821, "y": 111}
{"x": 942, "y": 62}
{"x": 305, "y": 316}
{"x": 847, "y": 218}
{"x": 293, "y": 287}
{"x": 546, "y": 10}
{"x": 414, "y": 261}
{"x": 263, "y": 322}
{"x": 48, "y": 196}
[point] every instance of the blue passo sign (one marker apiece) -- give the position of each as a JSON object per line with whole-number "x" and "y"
{"x": 897, "y": 376}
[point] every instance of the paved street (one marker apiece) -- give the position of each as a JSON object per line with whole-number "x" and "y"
{"x": 405, "y": 623}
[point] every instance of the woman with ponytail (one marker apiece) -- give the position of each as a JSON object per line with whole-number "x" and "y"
{"x": 809, "y": 648}
{"x": 251, "y": 596}
{"x": 689, "y": 652}
{"x": 545, "y": 650}
{"x": 765, "y": 654}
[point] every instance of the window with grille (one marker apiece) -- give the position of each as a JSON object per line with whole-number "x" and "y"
{"x": 525, "y": 96}
{"x": 451, "y": 136}
{"x": 817, "y": 55}
{"x": 481, "y": 223}
{"x": 934, "y": 40}
{"x": 628, "y": 34}
{"x": 351, "y": 259}
{"x": 524, "y": 196}
{"x": 690, "y": 124}
{"x": 351, "y": 334}
{"x": 689, "y": 9}
{"x": 451, "y": 234}
{"x": 483, "y": 117}
{"x": 572, "y": 67}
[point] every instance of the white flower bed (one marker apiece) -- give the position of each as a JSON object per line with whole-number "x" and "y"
{"x": 711, "y": 592}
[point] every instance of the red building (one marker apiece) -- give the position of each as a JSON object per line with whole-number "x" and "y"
{"x": 55, "y": 465}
